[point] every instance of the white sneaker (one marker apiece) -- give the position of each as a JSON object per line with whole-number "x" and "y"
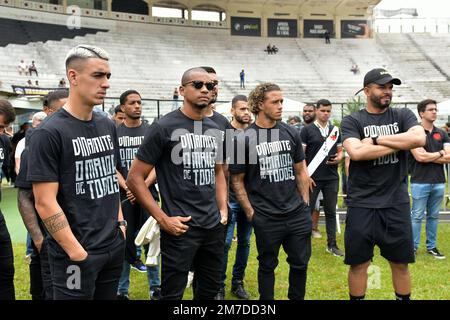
{"x": 190, "y": 279}
{"x": 316, "y": 234}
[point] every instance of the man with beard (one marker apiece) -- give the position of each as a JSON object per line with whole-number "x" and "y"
{"x": 325, "y": 178}
{"x": 376, "y": 138}
{"x": 131, "y": 134}
{"x": 183, "y": 147}
{"x": 309, "y": 116}
{"x": 271, "y": 183}
{"x": 241, "y": 119}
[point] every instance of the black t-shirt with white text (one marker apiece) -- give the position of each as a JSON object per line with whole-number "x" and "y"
{"x": 430, "y": 172}
{"x": 270, "y": 155}
{"x": 379, "y": 183}
{"x": 82, "y": 156}
{"x": 313, "y": 139}
{"x": 184, "y": 153}
{"x": 129, "y": 141}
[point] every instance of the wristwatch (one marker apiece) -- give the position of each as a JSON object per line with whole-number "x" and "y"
{"x": 374, "y": 140}
{"x": 122, "y": 223}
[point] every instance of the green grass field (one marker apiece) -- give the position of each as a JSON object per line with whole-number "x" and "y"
{"x": 327, "y": 275}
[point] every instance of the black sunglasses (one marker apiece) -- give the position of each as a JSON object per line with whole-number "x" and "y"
{"x": 199, "y": 84}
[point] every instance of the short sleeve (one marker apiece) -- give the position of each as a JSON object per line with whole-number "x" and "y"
{"x": 339, "y": 139}
{"x": 445, "y": 139}
{"x": 44, "y": 157}
{"x": 408, "y": 118}
{"x": 153, "y": 146}
{"x": 350, "y": 128}
{"x": 298, "y": 153}
{"x": 19, "y": 149}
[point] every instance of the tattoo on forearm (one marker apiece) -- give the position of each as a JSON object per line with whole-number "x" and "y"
{"x": 29, "y": 214}
{"x": 56, "y": 222}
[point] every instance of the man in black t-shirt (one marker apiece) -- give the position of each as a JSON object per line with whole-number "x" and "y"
{"x": 131, "y": 134}
{"x": 40, "y": 274}
{"x": 376, "y": 138}
{"x": 183, "y": 147}
{"x": 309, "y": 116}
{"x": 7, "y": 116}
{"x": 325, "y": 178}
{"x": 271, "y": 183}
{"x": 75, "y": 156}
{"x": 236, "y": 216}
{"x": 428, "y": 177}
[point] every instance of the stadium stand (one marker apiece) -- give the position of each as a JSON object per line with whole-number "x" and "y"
{"x": 150, "y": 57}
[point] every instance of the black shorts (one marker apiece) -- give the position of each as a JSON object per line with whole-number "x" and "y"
{"x": 388, "y": 228}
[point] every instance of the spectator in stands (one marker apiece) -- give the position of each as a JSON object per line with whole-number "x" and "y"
{"x": 274, "y": 49}
{"x": 23, "y": 68}
{"x": 119, "y": 115}
{"x": 327, "y": 37}
{"x": 295, "y": 122}
{"x": 428, "y": 178}
{"x": 62, "y": 83}
{"x": 36, "y": 83}
{"x": 175, "y": 99}
{"x": 355, "y": 69}
{"x": 7, "y": 292}
{"x": 242, "y": 78}
{"x": 32, "y": 68}
{"x": 269, "y": 49}
{"x": 29, "y": 83}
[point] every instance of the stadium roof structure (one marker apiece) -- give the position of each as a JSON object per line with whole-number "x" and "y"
{"x": 300, "y": 4}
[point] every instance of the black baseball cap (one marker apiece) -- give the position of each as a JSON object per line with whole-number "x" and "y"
{"x": 379, "y": 76}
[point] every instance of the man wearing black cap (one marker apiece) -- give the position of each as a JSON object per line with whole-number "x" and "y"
{"x": 376, "y": 139}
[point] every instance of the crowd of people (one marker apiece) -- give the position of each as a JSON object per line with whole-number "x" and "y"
{"x": 86, "y": 186}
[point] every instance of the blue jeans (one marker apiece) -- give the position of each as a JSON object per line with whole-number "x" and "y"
{"x": 152, "y": 277}
{"x": 244, "y": 232}
{"x": 429, "y": 197}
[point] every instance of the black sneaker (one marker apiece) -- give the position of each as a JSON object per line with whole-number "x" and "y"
{"x": 238, "y": 290}
{"x": 221, "y": 294}
{"x": 155, "y": 294}
{"x": 435, "y": 253}
{"x": 139, "y": 266}
{"x": 123, "y": 296}
{"x": 335, "y": 251}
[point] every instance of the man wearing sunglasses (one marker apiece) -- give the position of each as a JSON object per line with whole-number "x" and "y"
{"x": 183, "y": 148}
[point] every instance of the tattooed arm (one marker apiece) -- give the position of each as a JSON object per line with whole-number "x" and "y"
{"x": 237, "y": 183}
{"x": 29, "y": 216}
{"x": 55, "y": 220}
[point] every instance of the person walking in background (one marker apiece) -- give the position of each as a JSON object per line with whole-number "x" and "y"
{"x": 242, "y": 78}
